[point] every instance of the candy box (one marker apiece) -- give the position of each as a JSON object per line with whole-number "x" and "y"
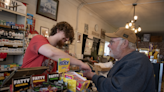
{"x": 63, "y": 65}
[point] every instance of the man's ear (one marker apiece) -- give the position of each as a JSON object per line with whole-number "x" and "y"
{"x": 125, "y": 44}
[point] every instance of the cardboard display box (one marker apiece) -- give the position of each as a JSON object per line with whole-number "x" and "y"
{"x": 97, "y": 68}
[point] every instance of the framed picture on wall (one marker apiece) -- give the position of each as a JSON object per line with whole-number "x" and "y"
{"x": 44, "y": 31}
{"x": 146, "y": 37}
{"x": 48, "y": 8}
{"x": 102, "y": 34}
{"x": 78, "y": 37}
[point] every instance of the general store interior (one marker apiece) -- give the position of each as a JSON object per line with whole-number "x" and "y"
{"x": 91, "y": 19}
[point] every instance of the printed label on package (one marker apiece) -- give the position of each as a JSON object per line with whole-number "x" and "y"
{"x": 37, "y": 79}
{"x": 21, "y": 84}
{"x": 63, "y": 65}
{"x": 53, "y": 77}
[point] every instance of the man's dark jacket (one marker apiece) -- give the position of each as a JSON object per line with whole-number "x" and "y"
{"x": 133, "y": 73}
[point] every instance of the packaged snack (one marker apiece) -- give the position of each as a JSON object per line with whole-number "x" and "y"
{"x": 81, "y": 82}
{"x": 53, "y": 81}
{"x": 53, "y": 77}
{"x": 37, "y": 82}
{"x": 2, "y": 76}
{"x": 63, "y": 65}
{"x": 71, "y": 84}
{"x": 21, "y": 84}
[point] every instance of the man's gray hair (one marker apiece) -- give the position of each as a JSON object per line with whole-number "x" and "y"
{"x": 130, "y": 45}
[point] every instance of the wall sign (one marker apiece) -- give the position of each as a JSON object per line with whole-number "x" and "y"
{"x": 95, "y": 33}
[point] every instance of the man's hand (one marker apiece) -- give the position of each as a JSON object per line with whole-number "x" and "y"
{"x": 87, "y": 71}
{"x": 85, "y": 67}
{"x": 88, "y": 74}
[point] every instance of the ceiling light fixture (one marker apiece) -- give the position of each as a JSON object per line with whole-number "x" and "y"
{"x": 131, "y": 24}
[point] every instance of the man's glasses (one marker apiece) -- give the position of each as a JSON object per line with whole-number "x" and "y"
{"x": 111, "y": 41}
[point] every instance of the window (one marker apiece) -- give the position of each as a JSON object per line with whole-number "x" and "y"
{"x": 106, "y": 49}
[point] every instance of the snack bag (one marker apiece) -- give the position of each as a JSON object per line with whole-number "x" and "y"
{"x": 71, "y": 84}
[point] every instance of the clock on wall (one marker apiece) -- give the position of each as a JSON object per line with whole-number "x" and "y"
{"x": 96, "y": 27}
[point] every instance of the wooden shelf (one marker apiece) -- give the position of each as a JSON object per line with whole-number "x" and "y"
{"x": 13, "y": 46}
{"x": 21, "y": 29}
{"x": 4, "y": 26}
{"x": 4, "y": 88}
{"x": 17, "y": 13}
{"x": 14, "y": 37}
{"x": 6, "y": 70}
{"x": 15, "y": 53}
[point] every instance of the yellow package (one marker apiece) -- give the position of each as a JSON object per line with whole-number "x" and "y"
{"x": 63, "y": 65}
{"x": 150, "y": 53}
{"x": 71, "y": 84}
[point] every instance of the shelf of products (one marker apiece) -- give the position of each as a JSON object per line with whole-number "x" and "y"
{"x": 5, "y": 71}
{"x": 12, "y": 34}
{"x": 12, "y": 51}
{"x": 11, "y": 42}
{"x": 10, "y": 27}
{"x": 12, "y": 31}
{"x": 14, "y": 12}
{"x": 4, "y": 88}
{"x": 9, "y": 67}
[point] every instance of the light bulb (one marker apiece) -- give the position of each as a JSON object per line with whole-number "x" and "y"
{"x": 130, "y": 24}
{"x": 133, "y": 28}
{"x": 135, "y": 17}
{"x": 46, "y": 31}
{"x": 132, "y": 21}
{"x": 7, "y": 2}
{"x": 127, "y": 26}
{"x": 135, "y": 31}
{"x": 139, "y": 28}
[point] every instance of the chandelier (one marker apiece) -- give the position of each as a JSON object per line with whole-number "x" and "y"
{"x": 131, "y": 25}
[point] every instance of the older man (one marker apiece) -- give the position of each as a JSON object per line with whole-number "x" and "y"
{"x": 133, "y": 71}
